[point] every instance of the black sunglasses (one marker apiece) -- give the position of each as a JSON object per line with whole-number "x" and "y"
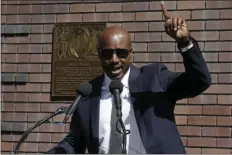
{"x": 108, "y": 53}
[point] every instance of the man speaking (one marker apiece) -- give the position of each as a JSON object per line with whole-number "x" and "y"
{"x": 148, "y": 97}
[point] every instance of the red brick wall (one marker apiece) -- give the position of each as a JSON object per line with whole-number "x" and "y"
{"x": 204, "y": 122}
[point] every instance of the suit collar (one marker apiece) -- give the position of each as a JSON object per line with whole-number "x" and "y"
{"x": 134, "y": 82}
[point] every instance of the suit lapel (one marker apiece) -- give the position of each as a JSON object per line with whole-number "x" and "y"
{"x": 136, "y": 89}
{"x": 94, "y": 101}
{"x": 135, "y": 86}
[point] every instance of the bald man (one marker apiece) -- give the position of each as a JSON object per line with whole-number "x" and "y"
{"x": 148, "y": 97}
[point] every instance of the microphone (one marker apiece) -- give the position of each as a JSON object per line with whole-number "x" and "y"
{"x": 116, "y": 88}
{"x": 84, "y": 90}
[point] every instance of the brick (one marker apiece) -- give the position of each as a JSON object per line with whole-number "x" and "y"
{"x": 218, "y": 4}
{"x": 148, "y": 16}
{"x": 201, "y": 142}
{"x": 218, "y": 25}
{"x": 82, "y": 8}
{"x": 225, "y": 89}
{"x": 52, "y": 128}
{"x": 37, "y": 8}
{"x": 181, "y": 120}
{"x": 224, "y": 142}
{"x": 225, "y": 35}
{"x": 43, "y": 19}
{"x": 220, "y": 67}
{"x": 11, "y": 29}
{"x": 22, "y": 58}
{"x": 190, "y": 5}
{"x": 9, "y": 67}
{"x": 21, "y": 78}
{"x": 132, "y": 6}
{"x": 206, "y": 35}
{"x": 147, "y": 57}
{"x": 23, "y": 29}
{"x": 189, "y": 130}
{"x": 216, "y": 110}
{"x": 8, "y": 77}
{"x": 225, "y": 57}
{"x": 139, "y": 47}
{"x": 205, "y": 14}
{"x": 193, "y": 150}
{"x": 121, "y": 16}
{"x": 218, "y": 46}
{"x": 108, "y": 7}
{"x": 21, "y": 97}
{"x": 140, "y": 26}
{"x": 14, "y": 19}
{"x": 6, "y": 126}
{"x": 169, "y": 5}
{"x": 41, "y": 38}
{"x": 3, "y": 19}
{"x": 161, "y": 47}
{"x": 6, "y": 146}
{"x": 182, "y": 14}
{"x": 25, "y": 107}
{"x": 48, "y": 28}
{"x": 190, "y": 110}
{"x": 50, "y": 8}
{"x": 20, "y": 126}
{"x": 46, "y": 68}
{"x": 210, "y": 57}
{"x": 203, "y": 99}
{"x": 45, "y": 146}
{"x": 12, "y": 9}
{"x": 95, "y": 17}
{"x": 47, "y": 48}
{"x": 46, "y": 88}
{"x": 225, "y": 14}
{"x": 224, "y": 99}
{"x": 216, "y": 131}
{"x": 147, "y": 37}
{"x": 25, "y": 9}
{"x": 196, "y": 25}
{"x": 171, "y": 57}
{"x": 32, "y": 117}
{"x": 57, "y": 137}
{"x": 29, "y": 147}
{"x": 224, "y": 121}
{"x": 156, "y": 26}
{"x": 225, "y": 78}
{"x": 8, "y": 88}
{"x": 202, "y": 120}
{"x": 215, "y": 151}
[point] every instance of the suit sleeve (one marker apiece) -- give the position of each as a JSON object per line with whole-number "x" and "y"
{"x": 73, "y": 143}
{"x": 190, "y": 83}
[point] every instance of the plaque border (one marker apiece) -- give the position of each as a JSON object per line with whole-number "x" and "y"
{"x": 53, "y": 96}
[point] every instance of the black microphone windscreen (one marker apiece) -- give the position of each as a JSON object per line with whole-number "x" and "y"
{"x": 116, "y": 84}
{"x": 84, "y": 89}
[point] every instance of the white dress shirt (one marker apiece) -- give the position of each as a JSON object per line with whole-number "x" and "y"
{"x": 134, "y": 142}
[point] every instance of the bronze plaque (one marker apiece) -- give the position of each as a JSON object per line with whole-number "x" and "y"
{"x": 74, "y": 57}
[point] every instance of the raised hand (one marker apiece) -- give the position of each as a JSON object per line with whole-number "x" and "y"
{"x": 175, "y": 27}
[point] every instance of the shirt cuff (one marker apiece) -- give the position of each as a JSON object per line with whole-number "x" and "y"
{"x": 184, "y": 49}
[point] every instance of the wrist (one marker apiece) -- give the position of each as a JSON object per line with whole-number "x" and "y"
{"x": 184, "y": 43}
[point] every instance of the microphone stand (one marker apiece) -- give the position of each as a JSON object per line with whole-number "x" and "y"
{"x": 124, "y": 131}
{"x": 38, "y": 123}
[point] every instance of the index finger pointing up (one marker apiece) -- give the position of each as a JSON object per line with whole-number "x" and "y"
{"x": 164, "y": 10}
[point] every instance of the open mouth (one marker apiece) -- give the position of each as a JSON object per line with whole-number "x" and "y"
{"x": 116, "y": 70}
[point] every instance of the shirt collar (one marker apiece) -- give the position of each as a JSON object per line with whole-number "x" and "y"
{"x": 125, "y": 80}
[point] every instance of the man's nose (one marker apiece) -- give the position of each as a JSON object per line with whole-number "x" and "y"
{"x": 115, "y": 58}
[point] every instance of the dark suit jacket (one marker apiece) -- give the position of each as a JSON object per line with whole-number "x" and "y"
{"x": 154, "y": 91}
